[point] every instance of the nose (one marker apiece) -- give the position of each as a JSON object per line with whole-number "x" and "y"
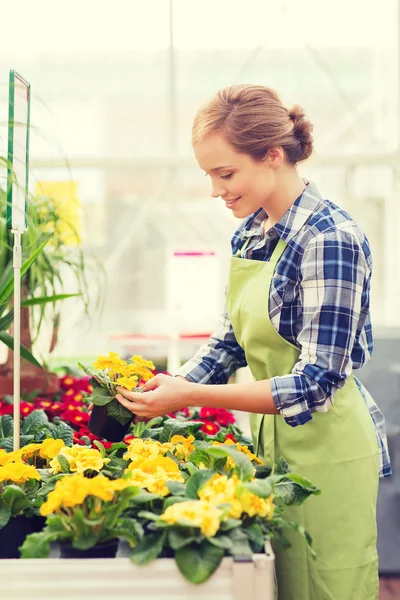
{"x": 217, "y": 191}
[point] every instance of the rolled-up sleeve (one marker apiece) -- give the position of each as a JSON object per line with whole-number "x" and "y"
{"x": 215, "y": 361}
{"x": 333, "y": 278}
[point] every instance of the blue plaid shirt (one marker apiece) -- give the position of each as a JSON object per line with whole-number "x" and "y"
{"x": 319, "y": 301}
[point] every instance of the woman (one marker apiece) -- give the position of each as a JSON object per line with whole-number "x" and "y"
{"x": 297, "y": 313}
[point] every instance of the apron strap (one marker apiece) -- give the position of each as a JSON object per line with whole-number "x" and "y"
{"x": 277, "y": 253}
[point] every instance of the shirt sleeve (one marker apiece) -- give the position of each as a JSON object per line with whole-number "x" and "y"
{"x": 332, "y": 291}
{"x": 218, "y": 359}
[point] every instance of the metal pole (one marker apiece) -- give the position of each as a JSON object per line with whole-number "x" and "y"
{"x": 17, "y": 262}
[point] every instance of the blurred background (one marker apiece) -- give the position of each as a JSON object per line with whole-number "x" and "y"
{"x": 114, "y": 91}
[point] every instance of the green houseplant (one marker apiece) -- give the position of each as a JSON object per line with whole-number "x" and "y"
{"x": 47, "y": 259}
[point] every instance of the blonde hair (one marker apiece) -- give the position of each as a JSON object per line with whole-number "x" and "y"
{"x": 253, "y": 119}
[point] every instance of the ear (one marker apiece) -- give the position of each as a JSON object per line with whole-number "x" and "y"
{"x": 275, "y": 157}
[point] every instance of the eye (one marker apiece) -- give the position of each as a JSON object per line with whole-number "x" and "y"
{"x": 226, "y": 176}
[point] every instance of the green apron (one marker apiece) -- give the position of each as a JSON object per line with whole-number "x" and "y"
{"x": 337, "y": 450}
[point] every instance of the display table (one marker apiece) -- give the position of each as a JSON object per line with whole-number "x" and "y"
{"x": 119, "y": 579}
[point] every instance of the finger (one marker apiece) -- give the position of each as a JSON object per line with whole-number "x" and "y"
{"x": 151, "y": 384}
{"x": 132, "y": 406}
{"x": 132, "y": 396}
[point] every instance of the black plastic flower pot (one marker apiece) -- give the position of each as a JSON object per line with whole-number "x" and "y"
{"x": 13, "y": 535}
{"x": 104, "y": 426}
{"x": 105, "y": 550}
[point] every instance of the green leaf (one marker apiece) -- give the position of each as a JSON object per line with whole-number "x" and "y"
{"x": 45, "y": 299}
{"x": 221, "y": 541}
{"x": 8, "y": 340}
{"x": 119, "y": 412}
{"x": 198, "y": 563}
{"x": 64, "y": 432}
{"x": 99, "y": 397}
{"x": 243, "y": 463}
{"x": 176, "y": 488}
{"x": 84, "y": 542}
{"x": 229, "y": 524}
{"x": 148, "y": 548}
{"x": 101, "y": 448}
{"x": 34, "y": 421}
{"x": 64, "y": 463}
{"x": 174, "y": 427}
{"x": 8, "y": 287}
{"x": 262, "y": 471}
{"x": 5, "y": 514}
{"x": 36, "y": 545}
{"x": 178, "y": 538}
{"x": 6, "y": 426}
{"x": 259, "y": 487}
{"x": 256, "y": 536}
{"x": 241, "y": 546}
{"x": 292, "y": 489}
{"x": 173, "y": 500}
{"x": 15, "y": 498}
{"x": 196, "y": 481}
{"x": 282, "y": 467}
{"x": 128, "y": 529}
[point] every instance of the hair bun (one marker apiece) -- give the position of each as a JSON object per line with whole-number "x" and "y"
{"x": 302, "y": 129}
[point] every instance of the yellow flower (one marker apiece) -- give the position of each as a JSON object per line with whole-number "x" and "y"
{"x": 136, "y": 358}
{"x": 80, "y": 458}
{"x": 197, "y": 513}
{"x": 112, "y": 361}
{"x": 8, "y": 457}
{"x": 254, "y": 505}
{"x": 150, "y": 466}
{"x": 127, "y": 382}
{"x": 183, "y": 446}
{"x": 18, "y": 472}
{"x": 142, "y": 480}
{"x": 221, "y": 490}
{"x": 68, "y": 492}
{"x": 50, "y": 447}
{"x": 30, "y": 449}
{"x": 139, "y": 450}
{"x": 158, "y": 484}
{"x": 101, "y": 487}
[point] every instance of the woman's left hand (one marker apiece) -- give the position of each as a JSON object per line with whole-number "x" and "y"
{"x": 161, "y": 395}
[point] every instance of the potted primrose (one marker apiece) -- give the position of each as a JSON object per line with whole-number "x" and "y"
{"x": 109, "y": 419}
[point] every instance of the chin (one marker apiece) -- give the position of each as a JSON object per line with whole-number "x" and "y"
{"x": 242, "y": 213}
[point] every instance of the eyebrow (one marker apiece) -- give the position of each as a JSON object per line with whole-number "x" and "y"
{"x": 220, "y": 168}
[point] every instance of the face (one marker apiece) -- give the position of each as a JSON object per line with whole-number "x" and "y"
{"x": 244, "y": 184}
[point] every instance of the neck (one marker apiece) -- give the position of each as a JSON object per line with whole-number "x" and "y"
{"x": 289, "y": 187}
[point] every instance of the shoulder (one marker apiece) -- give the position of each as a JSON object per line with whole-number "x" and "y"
{"x": 331, "y": 233}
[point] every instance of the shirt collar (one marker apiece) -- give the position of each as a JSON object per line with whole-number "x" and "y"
{"x": 293, "y": 219}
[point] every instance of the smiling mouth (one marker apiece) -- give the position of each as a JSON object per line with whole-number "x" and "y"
{"x": 231, "y": 203}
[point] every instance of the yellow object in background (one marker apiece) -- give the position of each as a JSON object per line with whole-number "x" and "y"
{"x": 65, "y": 201}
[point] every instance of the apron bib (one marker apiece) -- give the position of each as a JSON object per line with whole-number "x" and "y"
{"x": 337, "y": 450}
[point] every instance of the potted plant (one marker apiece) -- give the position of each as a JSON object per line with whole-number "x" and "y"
{"x": 85, "y": 516}
{"x": 109, "y": 419}
{"x": 19, "y": 502}
{"x": 46, "y": 258}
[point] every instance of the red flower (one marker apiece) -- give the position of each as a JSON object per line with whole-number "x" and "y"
{"x": 224, "y": 417}
{"x": 210, "y": 428}
{"x": 230, "y": 436}
{"x": 26, "y": 408}
{"x": 67, "y": 395}
{"x": 128, "y": 438}
{"x": 42, "y": 403}
{"x": 207, "y": 412}
{"x": 82, "y": 385}
{"x": 67, "y": 382}
{"x": 105, "y": 444}
{"x": 55, "y": 409}
{"x": 75, "y": 417}
{"x": 6, "y": 409}
{"x": 73, "y": 405}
